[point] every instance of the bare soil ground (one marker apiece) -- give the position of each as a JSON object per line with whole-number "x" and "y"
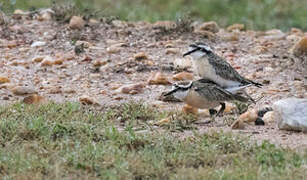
{"x": 261, "y": 56}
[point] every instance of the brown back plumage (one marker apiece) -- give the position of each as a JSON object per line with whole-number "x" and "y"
{"x": 226, "y": 71}
{"x": 214, "y": 92}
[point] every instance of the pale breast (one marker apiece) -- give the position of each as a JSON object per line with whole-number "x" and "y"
{"x": 195, "y": 100}
{"x": 205, "y": 70}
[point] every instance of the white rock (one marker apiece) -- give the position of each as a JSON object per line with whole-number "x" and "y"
{"x": 38, "y": 44}
{"x": 119, "y": 24}
{"x": 76, "y": 22}
{"x": 182, "y": 63}
{"x": 274, "y": 34}
{"x": 291, "y": 114}
{"x": 269, "y": 117}
{"x": 46, "y": 14}
{"x": 293, "y": 37}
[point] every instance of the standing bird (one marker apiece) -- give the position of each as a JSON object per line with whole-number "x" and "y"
{"x": 210, "y": 66}
{"x": 206, "y": 94}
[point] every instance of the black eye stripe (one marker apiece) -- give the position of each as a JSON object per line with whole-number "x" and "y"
{"x": 205, "y": 50}
{"x": 201, "y": 47}
{"x": 196, "y": 49}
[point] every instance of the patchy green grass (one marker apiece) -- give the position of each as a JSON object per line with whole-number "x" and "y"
{"x": 69, "y": 141}
{"x": 260, "y": 14}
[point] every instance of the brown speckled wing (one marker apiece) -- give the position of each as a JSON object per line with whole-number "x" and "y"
{"x": 225, "y": 70}
{"x": 212, "y": 92}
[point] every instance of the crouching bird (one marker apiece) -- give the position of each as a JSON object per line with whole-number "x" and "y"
{"x": 206, "y": 94}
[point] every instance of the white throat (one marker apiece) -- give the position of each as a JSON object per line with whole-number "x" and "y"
{"x": 181, "y": 95}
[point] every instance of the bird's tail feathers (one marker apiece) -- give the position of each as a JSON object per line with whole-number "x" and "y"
{"x": 256, "y": 84}
{"x": 237, "y": 88}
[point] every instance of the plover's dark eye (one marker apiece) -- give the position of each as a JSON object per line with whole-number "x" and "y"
{"x": 204, "y": 50}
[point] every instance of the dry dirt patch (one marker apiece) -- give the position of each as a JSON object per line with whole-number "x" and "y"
{"x": 63, "y": 64}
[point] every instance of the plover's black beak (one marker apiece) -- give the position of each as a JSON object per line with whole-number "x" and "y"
{"x": 170, "y": 92}
{"x": 190, "y": 52}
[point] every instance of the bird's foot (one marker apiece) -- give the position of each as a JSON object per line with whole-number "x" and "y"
{"x": 220, "y": 112}
{"x": 212, "y": 112}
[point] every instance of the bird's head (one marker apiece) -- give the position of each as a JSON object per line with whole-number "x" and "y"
{"x": 180, "y": 92}
{"x": 198, "y": 50}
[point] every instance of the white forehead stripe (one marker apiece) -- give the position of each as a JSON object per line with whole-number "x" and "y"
{"x": 205, "y": 47}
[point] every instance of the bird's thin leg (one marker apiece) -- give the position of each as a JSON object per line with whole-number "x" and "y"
{"x": 250, "y": 98}
{"x": 222, "y": 109}
{"x": 212, "y": 116}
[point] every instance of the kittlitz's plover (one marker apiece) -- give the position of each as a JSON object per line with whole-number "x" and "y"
{"x": 206, "y": 94}
{"x": 210, "y": 66}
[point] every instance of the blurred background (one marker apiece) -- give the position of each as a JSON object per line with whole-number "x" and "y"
{"x": 255, "y": 14}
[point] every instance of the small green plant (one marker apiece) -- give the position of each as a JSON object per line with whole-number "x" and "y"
{"x": 64, "y": 11}
{"x": 241, "y": 107}
{"x": 134, "y": 113}
{"x": 180, "y": 121}
{"x": 7, "y": 6}
{"x": 183, "y": 23}
{"x": 228, "y": 120}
